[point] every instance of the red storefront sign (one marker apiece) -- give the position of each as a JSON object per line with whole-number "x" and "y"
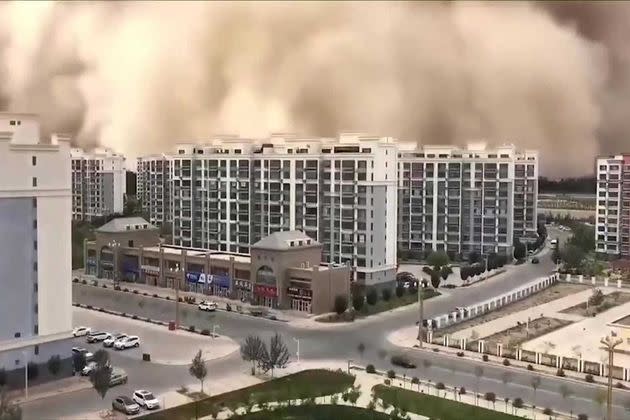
{"x": 267, "y": 291}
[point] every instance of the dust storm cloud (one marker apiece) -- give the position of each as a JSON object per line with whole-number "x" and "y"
{"x": 140, "y": 76}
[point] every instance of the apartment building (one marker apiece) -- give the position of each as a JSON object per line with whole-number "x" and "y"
{"x": 153, "y": 188}
{"x": 232, "y": 192}
{"x": 612, "y": 228}
{"x": 98, "y": 183}
{"x": 463, "y": 200}
{"x": 35, "y": 261}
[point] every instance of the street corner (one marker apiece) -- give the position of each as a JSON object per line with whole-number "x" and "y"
{"x": 404, "y": 337}
{"x": 161, "y": 345}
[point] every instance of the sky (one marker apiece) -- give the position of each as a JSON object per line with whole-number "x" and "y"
{"x": 141, "y": 76}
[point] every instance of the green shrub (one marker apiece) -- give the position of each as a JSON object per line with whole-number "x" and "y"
{"x": 371, "y": 297}
{"x": 506, "y": 362}
{"x": 391, "y": 374}
{"x": 386, "y": 294}
{"x": 589, "y": 378}
{"x": 370, "y": 368}
{"x": 191, "y": 328}
{"x": 357, "y": 301}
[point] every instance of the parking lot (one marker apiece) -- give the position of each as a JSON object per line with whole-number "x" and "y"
{"x": 164, "y": 347}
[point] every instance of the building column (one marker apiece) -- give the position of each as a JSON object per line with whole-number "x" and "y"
{"x": 606, "y": 282}
{"x": 568, "y": 278}
{"x": 232, "y": 275}
{"x": 162, "y": 276}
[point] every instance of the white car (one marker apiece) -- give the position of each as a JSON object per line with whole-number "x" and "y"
{"x": 208, "y": 306}
{"x": 127, "y": 342}
{"x": 79, "y": 331}
{"x": 112, "y": 338}
{"x": 96, "y": 336}
{"x": 145, "y": 399}
{"x": 88, "y": 369}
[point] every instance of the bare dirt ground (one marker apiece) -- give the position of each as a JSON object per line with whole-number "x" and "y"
{"x": 557, "y": 291}
{"x": 523, "y": 332}
{"x": 610, "y": 301}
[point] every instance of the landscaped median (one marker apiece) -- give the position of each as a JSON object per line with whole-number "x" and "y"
{"x": 304, "y": 384}
{"x": 316, "y": 411}
{"x": 435, "y": 407}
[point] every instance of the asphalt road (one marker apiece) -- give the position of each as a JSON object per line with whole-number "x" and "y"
{"x": 341, "y": 343}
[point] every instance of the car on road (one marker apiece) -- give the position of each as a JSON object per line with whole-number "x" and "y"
{"x": 96, "y": 336}
{"x": 207, "y": 306}
{"x": 127, "y": 342}
{"x": 402, "y": 361}
{"x": 112, "y": 338}
{"x": 80, "y": 331}
{"x": 88, "y": 369}
{"x": 125, "y": 405}
{"x": 118, "y": 377}
{"x": 88, "y": 355}
{"x": 535, "y": 260}
{"x": 146, "y": 399}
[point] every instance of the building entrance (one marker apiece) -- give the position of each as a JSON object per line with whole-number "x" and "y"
{"x": 301, "y": 305}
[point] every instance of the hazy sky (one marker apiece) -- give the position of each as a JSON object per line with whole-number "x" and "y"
{"x": 140, "y": 76}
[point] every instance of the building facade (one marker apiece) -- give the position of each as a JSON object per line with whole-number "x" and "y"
{"x": 98, "y": 183}
{"x": 612, "y": 224}
{"x": 153, "y": 185}
{"x": 283, "y": 271}
{"x": 35, "y": 262}
{"x": 464, "y": 200}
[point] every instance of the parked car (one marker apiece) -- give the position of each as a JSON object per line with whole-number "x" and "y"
{"x": 145, "y": 399}
{"x": 118, "y": 376}
{"x": 112, "y": 338}
{"x": 127, "y": 342}
{"x": 80, "y": 350}
{"x": 207, "y": 306}
{"x": 125, "y": 405}
{"x": 535, "y": 260}
{"x": 80, "y": 331}
{"x": 96, "y": 336}
{"x": 88, "y": 369}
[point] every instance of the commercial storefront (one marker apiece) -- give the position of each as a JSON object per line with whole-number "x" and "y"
{"x": 300, "y": 298}
{"x": 151, "y": 274}
{"x": 266, "y": 296}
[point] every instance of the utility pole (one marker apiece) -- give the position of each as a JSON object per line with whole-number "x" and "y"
{"x": 421, "y": 312}
{"x": 610, "y": 343}
{"x": 25, "y": 375}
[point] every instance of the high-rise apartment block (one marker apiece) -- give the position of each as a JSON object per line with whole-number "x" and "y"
{"x": 362, "y": 197}
{"x": 35, "y": 244}
{"x": 153, "y": 188}
{"x": 612, "y": 227}
{"x": 464, "y": 200}
{"x": 98, "y": 183}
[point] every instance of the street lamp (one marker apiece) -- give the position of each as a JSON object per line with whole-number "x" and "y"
{"x": 114, "y": 246}
{"x": 176, "y": 271}
{"x": 297, "y": 340}
{"x": 421, "y": 312}
{"x": 610, "y": 342}
{"x": 214, "y": 329}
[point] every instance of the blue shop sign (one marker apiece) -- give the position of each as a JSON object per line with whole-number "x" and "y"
{"x": 212, "y": 279}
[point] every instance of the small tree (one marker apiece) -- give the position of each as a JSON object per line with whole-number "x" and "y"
{"x": 464, "y": 272}
{"x": 473, "y": 257}
{"x": 277, "y": 356}
{"x": 198, "y": 368}
{"x": 387, "y": 294}
{"x": 517, "y": 403}
{"x": 445, "y": 271}
{"x": 358, "y": 301}
{"x": 341, "y": 304}
{"x": 78, "y": 361}
{"x": 437, "y": 259}
{"x": 54, "y": 365}
{"x": 102, "y": 374}
{"x": 372, "y": 297}
{"x": 8, "y": 410}
{"x": 491, "y": 397}
{"x": 400, "y": 291}
{"x": 435, "y": 279}
{"x": 252, "y": 350}
{"x": 478, "y": 375}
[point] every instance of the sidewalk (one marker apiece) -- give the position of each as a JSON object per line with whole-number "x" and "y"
{"x": 50, "y": 389}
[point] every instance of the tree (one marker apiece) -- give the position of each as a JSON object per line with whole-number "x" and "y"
{"x": 473, "y": 257}
{"x": 371, "y": 297}
{"x": 102, "y": 373}
{"x": 597, "y": 298}
{"x": 478, "y": 374}
{"x": 358, "y": 301}
{"x": 573, "y": 256}
{"x": 435, "y": 279}
{"x": 464, "y": 272}
{"x": 517, "y": 403}
{"x": 535, "y": 383}
{"x": 341, "y": 304}
{"x": 198, "y": 368}
{"x": 445, "y": 271}
{"x": 54, "y": 365}
{"x": 583, "y": 237}
{"x": 361, "y": 349}
{"x": 8, "y": 410}
{"x": 491, "y": 397}
{"x": 277, "y": 356}
{"x": 400, "y": 291}
{"x": 252, "y": 350}
{"x": 437, "y": 259}
{"x": 387, "y": 294}
{"x": 520, "y": 251}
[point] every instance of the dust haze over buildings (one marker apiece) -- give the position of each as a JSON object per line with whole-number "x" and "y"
{"x": 140, "y": 76}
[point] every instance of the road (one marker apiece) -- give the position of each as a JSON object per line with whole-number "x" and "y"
{"x": 340, "y": 342}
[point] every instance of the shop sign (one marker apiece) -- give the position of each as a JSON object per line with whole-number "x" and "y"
{"x": 297, "y": 292}
{"x": 267, "y": 291}
{"x": 150, "y": 268}
{"x": 243, "y": 284}
{"x": 211, "y": 279}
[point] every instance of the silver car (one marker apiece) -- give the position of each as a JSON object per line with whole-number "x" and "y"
{"x": 125, "y": 405}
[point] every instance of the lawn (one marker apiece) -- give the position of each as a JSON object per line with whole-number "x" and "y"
{"x": 316, "y": 412}
{"x": 305, "y": 384}
{"x": 395, "y": 302}
{"x": 436, "y": 407}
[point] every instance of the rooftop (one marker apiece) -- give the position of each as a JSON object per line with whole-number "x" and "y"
{"x": 285, "y": 240}
{"x": 125, "y": 224}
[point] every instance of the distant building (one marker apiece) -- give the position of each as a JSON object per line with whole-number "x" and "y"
{"x": 612, "y": 224}
{"x": 98, "y": 183}
{"x": 35, "y": 244}
{"x": 153, "y": 188}
{"x": 463, "y": 200}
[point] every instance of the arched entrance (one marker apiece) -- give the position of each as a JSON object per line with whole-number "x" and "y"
{"x": 265, "y": 290}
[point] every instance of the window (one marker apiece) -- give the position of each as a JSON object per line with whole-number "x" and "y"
{"x": 34, "y": 181}
{"x": 34, "y": 160}
{"x": 130, "y": 243}
{"x": 36, "y": 350}
{"x": 35, "y": 266}
{"x": 35, "y": 245}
